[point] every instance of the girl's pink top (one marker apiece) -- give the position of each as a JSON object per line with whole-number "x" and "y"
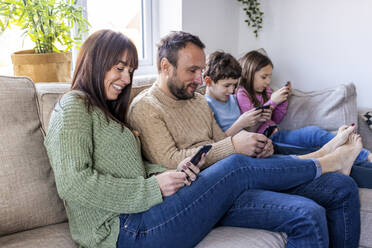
{"x": 246, "y": 104}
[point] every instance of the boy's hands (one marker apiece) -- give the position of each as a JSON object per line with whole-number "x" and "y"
{"x": 282, "y": 94}
{"x": 266, "y": 115}
{"x": 250, "y": 118}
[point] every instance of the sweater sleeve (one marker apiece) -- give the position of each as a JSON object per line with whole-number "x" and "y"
{"x": 158, "y": 143}
{"x": 153, "y": 168}
{"x": 279, "y": 110}
{"x": 70, "y": 149}
{"x": 244, "y": 101}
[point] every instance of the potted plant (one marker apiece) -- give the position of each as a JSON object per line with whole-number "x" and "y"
{"x": 49, "y": 24}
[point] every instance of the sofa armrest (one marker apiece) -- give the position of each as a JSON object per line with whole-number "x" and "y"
{"x": 364, "y": 130}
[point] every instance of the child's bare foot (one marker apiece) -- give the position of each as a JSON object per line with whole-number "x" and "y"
{"x": 343, "y": 157}
{"x": 340, "y": 139}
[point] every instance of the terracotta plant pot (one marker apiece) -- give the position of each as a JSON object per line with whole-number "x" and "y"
{"x": 43, "y": 67}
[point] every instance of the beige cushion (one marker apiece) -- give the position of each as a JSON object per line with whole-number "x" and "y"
{"x": 56, "y": 236}
{"x": 28, "y": 196}
{"x": 236, "y": 237}
{"x": 365, "y": 196}
{"x": 329, "y": 108}
{"x": 48, "y": 94}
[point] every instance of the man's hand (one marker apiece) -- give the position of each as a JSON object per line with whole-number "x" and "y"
{"x": 171, "y": 181}
{"x": 251, "y": 144}
{"x": 267, "y": 151}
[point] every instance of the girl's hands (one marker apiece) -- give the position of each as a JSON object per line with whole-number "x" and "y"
{"x": 171, "y": 181}
{"x": 282, "y": 94}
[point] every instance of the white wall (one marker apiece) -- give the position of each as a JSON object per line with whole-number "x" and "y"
{"x": 216, "y": 22}
{"x": 316, "y": 44}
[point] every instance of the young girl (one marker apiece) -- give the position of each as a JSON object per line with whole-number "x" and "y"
{"x": 254, "y": 91}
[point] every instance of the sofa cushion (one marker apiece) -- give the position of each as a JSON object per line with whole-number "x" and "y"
{"x": 329, "y": 108}
{"x": 27, "y": 190}
{"x": 236, "y": 237}
{"x": 365, "y": 196}
{"x": 48, "y": 94}
{"x": 56, "y": 236}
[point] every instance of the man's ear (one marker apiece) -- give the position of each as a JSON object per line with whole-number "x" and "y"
{"x": 208, "y": 81}
{"x": 165, "y": 66}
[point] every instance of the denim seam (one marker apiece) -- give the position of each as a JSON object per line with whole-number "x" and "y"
{"x": 207, "y": 191}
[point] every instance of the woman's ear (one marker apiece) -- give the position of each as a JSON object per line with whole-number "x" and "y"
{"x": 208, "y": 81}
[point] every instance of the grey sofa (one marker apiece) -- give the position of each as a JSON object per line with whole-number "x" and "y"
{"x": 31, "y": 213}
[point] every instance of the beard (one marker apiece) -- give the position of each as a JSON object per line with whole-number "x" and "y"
{"x": 180, "y": 92}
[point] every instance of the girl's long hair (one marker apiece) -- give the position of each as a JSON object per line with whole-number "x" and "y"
{"x": 99, "y": 53}
{"x": 251, "y": 63}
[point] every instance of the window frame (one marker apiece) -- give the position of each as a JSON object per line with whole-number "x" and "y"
{"x": 149, "y": 21}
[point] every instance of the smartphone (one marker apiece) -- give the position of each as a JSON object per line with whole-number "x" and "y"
{"x": 196, "y": 158}
{"x": 269, "y": 130}
{"x": 263, "y": 107}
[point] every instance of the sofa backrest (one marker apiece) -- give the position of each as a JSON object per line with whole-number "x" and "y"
{"x": 28, "y": 195}
{"x": 328, "y": 108}
{"x": 49, "y": 93}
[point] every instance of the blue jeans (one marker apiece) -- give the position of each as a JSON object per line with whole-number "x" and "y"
{"x": 309, "y": 137}
{"x": 239, "y": 191}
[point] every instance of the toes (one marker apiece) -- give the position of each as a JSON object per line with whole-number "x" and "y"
{"x": 342, "y": 128}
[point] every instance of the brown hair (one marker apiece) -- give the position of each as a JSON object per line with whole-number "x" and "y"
{"x": 99, "y": 53}
{"x": 252, "y": 62}
{"x": 221, "y": 65}
{"x": 170, "y": 45}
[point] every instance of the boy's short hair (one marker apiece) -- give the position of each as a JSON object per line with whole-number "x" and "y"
{"x": 221, "y": 65}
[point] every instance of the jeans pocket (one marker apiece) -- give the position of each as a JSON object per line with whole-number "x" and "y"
{"x": 130, "y": 222}
{"x": 123, "y": 220}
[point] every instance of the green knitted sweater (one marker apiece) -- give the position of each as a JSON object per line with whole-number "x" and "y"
{"x": 99, "y": 171}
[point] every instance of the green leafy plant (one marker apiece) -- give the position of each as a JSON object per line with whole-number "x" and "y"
{"x": 254, "y": 14}
{"x": 46, "y": 22}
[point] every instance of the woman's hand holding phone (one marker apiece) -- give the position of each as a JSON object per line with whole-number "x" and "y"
{"x": 188, "y": 167}
{"x": 170, "y": 181}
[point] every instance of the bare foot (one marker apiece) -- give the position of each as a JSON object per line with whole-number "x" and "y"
{"x": 340, "y": 139}
{"x": 343, "y": 157}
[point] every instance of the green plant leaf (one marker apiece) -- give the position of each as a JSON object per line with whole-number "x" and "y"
{"x": 254, "y": 14}
{"x": 46, "y": 22}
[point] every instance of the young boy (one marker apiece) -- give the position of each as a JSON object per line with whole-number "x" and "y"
{"x": 221, "y": 77}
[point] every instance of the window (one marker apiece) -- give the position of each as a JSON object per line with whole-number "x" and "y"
{"x": 132, "y": 17}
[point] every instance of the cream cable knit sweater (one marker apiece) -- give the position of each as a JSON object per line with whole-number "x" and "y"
{"x": 171, "y": 130}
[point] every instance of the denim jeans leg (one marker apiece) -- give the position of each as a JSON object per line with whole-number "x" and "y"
{"x": 310, "y": 137}
{"x": 184, "y": 218}
{"x": 338, "y": 194}
{"x": 303, "y": 220}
